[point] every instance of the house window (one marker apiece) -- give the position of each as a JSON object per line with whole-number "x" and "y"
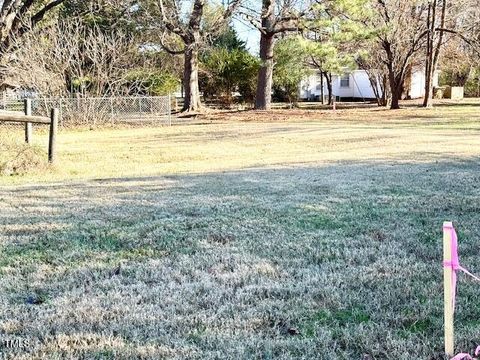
{"x": 345, "y": 81}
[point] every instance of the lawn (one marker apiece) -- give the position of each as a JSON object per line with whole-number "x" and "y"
{"x": 290, "y": 234}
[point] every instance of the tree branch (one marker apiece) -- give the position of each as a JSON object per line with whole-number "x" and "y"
{"x": 253, "y": 21}
{"x": 169, "y": 49}
{"x": 41, "y": 13}
{"x": 470, "y": 42}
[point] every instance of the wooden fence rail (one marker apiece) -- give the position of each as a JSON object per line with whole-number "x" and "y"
{"x": 28, "y": 120}
{"x": 10, "y": 116}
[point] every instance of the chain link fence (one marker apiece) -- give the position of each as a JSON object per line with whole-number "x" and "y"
{"x": 100, "y": 111}
{"x": 10, "y": 130}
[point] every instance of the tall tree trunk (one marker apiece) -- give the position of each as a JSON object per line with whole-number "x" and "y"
{"x": 375, "y": 85}
{"x": 322, "y": 95}
{"x": 433, "y": 49}
{"x": 407, "y": 82}
{"x": 384, "y": 88}
{"x": 396, "y": 95}
{"x": 396, "y": 88}
{"x": 396, "y": 75}
{"x": 263, "y": 97}
{"x": 190, "y": 80}
{"x": 328, "y": 78}
{"x": 431, "y": 18}
{"x": 428, "y": 96}
{"x": 265, "y": 75}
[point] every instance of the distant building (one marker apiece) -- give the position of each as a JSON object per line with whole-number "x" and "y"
{"x": 9, "y": 89}
{"x": 355, "y": 85}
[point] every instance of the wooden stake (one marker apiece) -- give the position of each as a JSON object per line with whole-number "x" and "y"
{"x": 28, "y": 126}
{"x": 447, "y": 289}
{"x": 53, "y": 135}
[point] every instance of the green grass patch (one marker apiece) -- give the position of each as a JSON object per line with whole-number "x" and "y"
{"x": 314, "y": 236}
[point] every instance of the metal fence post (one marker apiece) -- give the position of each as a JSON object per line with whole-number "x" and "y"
{"x": 153, "y": 106}
{"x": 88, "y": 105}
{"x": 169, "y": 109}
{"x": 60, "y": 110}
{"x": 112, "y": 120}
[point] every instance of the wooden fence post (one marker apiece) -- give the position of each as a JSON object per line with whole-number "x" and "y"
{"x": 447, "y": 288}
{"x": 53, "y": 135}
{"x": 27, "y": 106}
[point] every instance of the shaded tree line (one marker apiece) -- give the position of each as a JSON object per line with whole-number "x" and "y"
{"x": 155, "y": 46}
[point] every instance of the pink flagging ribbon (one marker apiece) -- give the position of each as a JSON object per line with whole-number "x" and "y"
{"x": 465, "y": 356}
{"x": 454, "y": 263}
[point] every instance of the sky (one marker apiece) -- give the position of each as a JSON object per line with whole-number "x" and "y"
{"x": 249, "y": 34}
{"x": 245, "y": 31}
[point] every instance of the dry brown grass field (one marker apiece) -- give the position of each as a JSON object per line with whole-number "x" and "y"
{"x": 292, "y": 234}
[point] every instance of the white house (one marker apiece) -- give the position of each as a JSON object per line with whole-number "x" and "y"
{"x": 355, "y": 85}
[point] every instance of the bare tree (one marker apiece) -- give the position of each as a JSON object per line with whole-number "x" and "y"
{"x": 19, "y": 16}
{"x": 406, "y": 27}
{"x": 372, "y": 64}
{"x": 73, "y": 55}
{"x": 437, "y": 11}
{"x": 458, "y": 62}
{"x": 467, "y": 15}
{"x": 451, "y": 21}
{"x": 274, "y": 17}
{"x": 401, "y": 35}
{"x": 189, "y": 32}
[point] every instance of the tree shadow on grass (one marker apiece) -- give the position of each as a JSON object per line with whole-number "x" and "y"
{"x": 343, "y": 259}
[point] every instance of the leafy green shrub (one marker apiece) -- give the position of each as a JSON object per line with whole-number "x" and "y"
{"x": 289, "y": 69}
{"x": 225, "y": 71}
{"x": 151, "y": 82}
{"x": 472, "y": 86}
{"x": 465, "y": 76}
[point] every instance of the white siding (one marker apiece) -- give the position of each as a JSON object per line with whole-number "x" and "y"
{"x": 310, "y": 87}
{"x": 341, "y": 91}
{"x": 362, "y": 87}
{"x": 436, "y": 78}
{"x": 417, "y": 89}
{"x": 359, "y": 86}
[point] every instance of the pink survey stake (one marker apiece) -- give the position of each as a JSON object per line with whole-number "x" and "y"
{"x": 454, "y": 263}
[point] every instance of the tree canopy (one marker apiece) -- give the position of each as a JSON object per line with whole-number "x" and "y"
{"x": 166, "y": 44}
